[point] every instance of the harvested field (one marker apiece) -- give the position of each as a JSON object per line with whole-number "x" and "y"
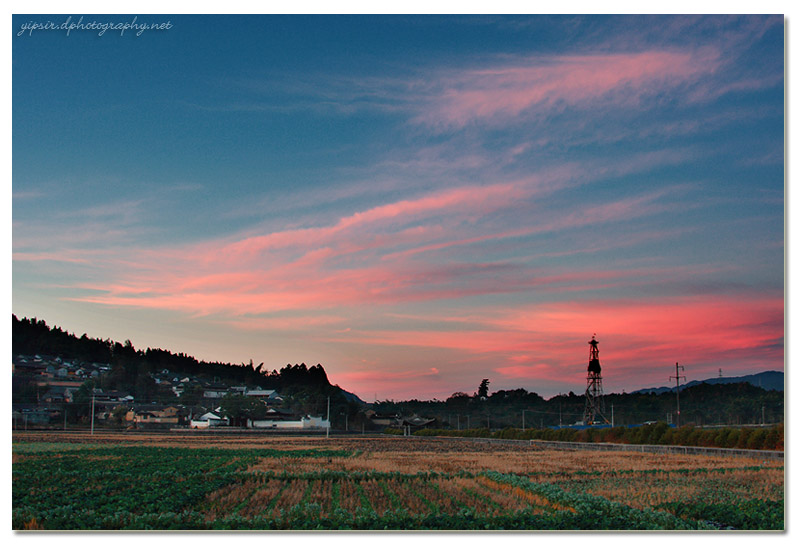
{"x": 128, "y": 481}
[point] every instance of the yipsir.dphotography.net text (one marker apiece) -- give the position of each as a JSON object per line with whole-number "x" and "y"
{"x": 100, "y": 27}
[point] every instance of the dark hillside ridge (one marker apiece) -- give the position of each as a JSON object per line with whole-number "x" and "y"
{"x": 35, "y": 337}
{"x": 771, "y": 380}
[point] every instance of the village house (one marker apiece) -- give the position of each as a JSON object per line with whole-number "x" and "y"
{"x": 416, "y": 422}
{"x": 215, "y": 391}
{"x": 150, "y": 415}
{"x": 58, "y": 394}
{"x": 209, "y": 419}
{"x": 25, "y": 414}
{"x": 383, "y": 420}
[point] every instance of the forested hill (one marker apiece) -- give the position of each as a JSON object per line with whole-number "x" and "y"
{"x": 771, "y": 380}
{"x": 33, "y": 336}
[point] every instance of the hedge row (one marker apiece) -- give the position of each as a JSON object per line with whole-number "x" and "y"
{"x": 767, "y": 438}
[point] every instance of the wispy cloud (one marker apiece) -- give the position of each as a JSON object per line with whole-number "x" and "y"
{"x": 362, "y": 258}
{"x": 542, "y": 86}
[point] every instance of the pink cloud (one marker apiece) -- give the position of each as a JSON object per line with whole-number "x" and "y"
{"x": 285, "y": 323}
{"x": 217, "y": 278}
{"x": 76, "y": 257}
{"x": 477, "y": 199}
{"x": 550, "y": 83}
{"x": 291, "y": 288}
{"x": 621, "y": 210}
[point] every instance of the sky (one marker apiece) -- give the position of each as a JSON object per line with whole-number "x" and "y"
{"x": 415, "y": 202}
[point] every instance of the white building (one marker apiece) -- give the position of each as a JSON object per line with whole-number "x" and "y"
{"x": 209, "y": 419}
{"x": 307, "y": 422}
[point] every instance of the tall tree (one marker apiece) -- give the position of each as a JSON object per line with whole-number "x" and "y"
{"x": 483, "y": 389}
{"x": 239, "y": 409}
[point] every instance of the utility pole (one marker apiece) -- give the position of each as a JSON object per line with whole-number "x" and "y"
{"x": 612, "y": 414}
{"x": 678, "y": 377}
{"x": 328, "y": 428}
{"x": 92, "y": 411}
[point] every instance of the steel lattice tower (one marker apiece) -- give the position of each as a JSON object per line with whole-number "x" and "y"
{"x": 594, "y": 412}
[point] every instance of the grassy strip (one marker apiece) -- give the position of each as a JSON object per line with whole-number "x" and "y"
{"x": 306, "y": 493}
{"x": 393, "y": 499}
{"x": 432, "y": 507}
{"x": 484, "y": 499}
{"x": 335, "y": 495}
{"x": 365, "y": 503}
{"x": 277, "y": 496}
{"x": 454, "y": 500}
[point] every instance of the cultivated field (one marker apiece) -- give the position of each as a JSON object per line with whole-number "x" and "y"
{"x": 204, "y": 481}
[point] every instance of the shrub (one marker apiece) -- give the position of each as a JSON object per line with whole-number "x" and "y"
{"x": 756, "y": 440}
{"x": 614, "y": 434}
{"x": 773, "y": 440}
{"x": 509, "y": 433}
{"x": 667, "y": 438}
{"x": 744, "y": 436}
{"x": 779, "y": 439}
{"x": 721, "y": 438}
{"x": 732, "y": 438}
{"x": 683, "y": 435}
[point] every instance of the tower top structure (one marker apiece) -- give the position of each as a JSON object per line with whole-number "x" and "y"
{"x": 594, "y": 356}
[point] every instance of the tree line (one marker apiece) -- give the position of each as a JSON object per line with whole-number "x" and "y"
{"x": 704, "y": 404}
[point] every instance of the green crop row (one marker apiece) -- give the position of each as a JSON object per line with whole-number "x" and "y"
{"x": 599, "y": 513}
{"x": 745, "y": 515}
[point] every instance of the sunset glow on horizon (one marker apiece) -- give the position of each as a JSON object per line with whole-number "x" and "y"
{"x": 416, "y": 203}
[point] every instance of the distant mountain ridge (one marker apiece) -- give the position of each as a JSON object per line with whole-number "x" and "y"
{"x": 771, "y": 380}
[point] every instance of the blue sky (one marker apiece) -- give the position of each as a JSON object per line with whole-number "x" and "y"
{"x": 417, "y": 203}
